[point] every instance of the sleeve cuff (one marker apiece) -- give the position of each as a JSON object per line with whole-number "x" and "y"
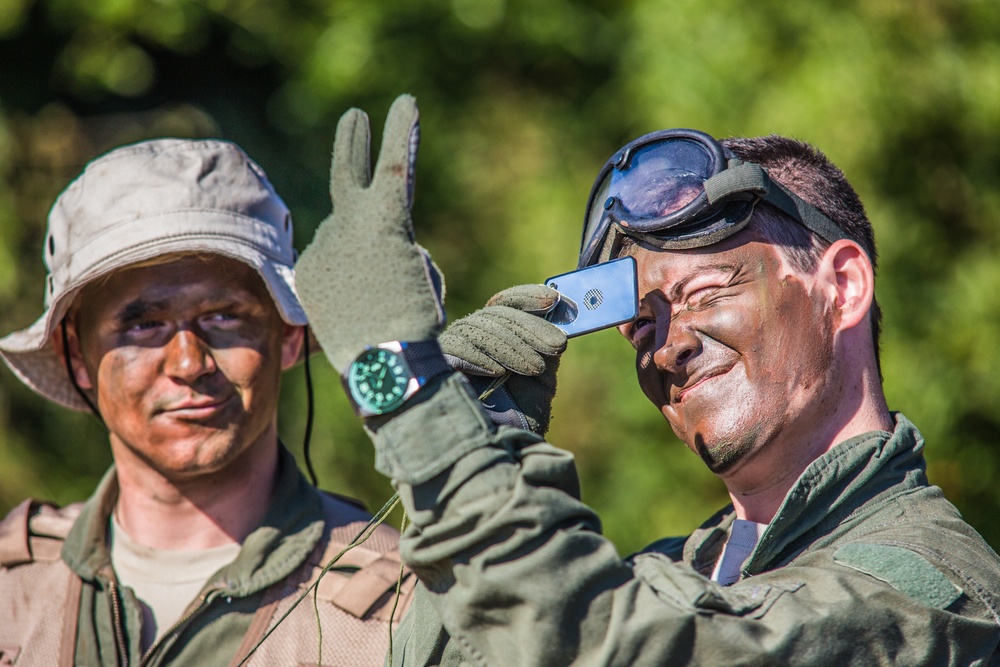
{"x": 423, "y": 440}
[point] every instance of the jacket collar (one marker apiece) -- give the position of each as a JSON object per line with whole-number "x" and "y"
{"x": 853, "y": 474}
{"x": 841, "y": 482}
{"x": 289, "y": 532}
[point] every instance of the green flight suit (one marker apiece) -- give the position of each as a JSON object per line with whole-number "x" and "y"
{"x": 865, "y": 563}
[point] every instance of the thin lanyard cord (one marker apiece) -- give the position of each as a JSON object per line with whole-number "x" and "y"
{"x": 365, "y": 533}
{"x": 307, "y": 439}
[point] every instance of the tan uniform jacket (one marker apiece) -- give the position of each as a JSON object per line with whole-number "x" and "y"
{"x": 60, "y": 602}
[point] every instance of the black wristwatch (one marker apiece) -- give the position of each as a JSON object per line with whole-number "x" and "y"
{"x": 384, "y": 376}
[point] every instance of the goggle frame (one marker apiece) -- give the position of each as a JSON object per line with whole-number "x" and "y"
{"x": 725, "y": 204}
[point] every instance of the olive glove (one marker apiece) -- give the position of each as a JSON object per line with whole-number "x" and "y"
{"x": 363, "y": 280}
{"x": 510, "y": 339}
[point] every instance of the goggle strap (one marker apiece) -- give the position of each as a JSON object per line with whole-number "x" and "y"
{"x": 739, "y": 178}
{"x": 747, "y": 177}
{"x": 792, "y": 205}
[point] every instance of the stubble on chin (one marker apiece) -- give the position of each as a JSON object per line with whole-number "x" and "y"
{"x": 723, "y": 455}
{"x": 180, "y": 457}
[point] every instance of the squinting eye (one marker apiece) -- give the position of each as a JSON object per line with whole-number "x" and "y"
{"x": 702, "y": 296}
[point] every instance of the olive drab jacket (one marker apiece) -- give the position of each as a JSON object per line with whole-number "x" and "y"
{"x": 864, "y": 564}
{"x": 60, "y": 602}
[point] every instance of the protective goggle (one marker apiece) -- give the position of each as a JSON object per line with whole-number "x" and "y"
{"x": 681, "y": 188}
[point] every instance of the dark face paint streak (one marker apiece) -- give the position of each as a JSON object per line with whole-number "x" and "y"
{"x": 764, "y": 353}
{"x": 186, "y": 358}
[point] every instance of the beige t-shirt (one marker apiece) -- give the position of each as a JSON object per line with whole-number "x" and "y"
{"x": 164, "y": 581}
{"x": 743, "y": 538}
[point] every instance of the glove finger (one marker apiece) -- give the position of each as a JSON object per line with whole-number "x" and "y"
{"x": 517, "y": 341}
{"x": 494, "y": 338}
{"x": 468, "y": 368}
{"x": 540, "y": 334}
{"x": 398, "y": 155}
{"x": 535, "y": 299}
{"x": 457, "y": 341}
{"x": 351, "y": 154}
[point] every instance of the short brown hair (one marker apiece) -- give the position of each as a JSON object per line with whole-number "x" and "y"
{"x": 807, "y": 172}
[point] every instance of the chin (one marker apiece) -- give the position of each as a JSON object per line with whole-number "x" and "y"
{"x": 193, "y": 457}
{"x": 724, "y": 452}
{"x": 720, "y": 458}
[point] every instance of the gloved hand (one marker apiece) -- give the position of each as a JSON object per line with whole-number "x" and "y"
{"x": 363, "y": 280}
{"x": 510, "y": 337}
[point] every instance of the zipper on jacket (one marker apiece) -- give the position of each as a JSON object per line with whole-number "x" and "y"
{"x": 116, "y": 613}
{"x": 178, "y": 626}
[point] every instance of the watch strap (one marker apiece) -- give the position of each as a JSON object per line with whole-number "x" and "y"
{"x": 425, "y": 359}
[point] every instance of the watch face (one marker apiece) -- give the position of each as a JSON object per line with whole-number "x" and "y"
{"x": 378, "y": 379}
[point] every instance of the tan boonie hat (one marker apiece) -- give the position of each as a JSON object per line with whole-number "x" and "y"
{"x": 141, "y": 201}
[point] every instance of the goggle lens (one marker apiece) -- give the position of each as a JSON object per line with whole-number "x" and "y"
{"x": 649, "y": 183}
{"x": 662, "y": 178}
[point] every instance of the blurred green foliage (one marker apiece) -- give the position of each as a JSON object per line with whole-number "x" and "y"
{"x": 521, "y": 103}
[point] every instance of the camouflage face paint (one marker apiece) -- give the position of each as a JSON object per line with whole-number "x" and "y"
{"x": 733, "y": 346}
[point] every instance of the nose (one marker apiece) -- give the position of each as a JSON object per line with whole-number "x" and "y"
{"x": 675, "y": 347}
{"x": 187, "y": 357}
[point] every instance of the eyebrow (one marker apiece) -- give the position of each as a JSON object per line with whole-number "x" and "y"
{"x": 678, "y": 287}
{"x": 138, "y": 309}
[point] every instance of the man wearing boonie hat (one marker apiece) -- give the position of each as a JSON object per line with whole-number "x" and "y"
{"x": 171, "y": 312}
{"x": 757, "y": 340}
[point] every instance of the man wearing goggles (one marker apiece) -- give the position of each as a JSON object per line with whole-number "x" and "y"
{"x": 757, "y": 340}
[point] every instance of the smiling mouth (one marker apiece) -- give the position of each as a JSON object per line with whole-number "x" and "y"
{"x": 682, "y": 393}
{"x": 195, "y": 410}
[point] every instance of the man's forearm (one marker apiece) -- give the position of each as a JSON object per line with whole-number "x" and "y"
{"x": 499, "y": 537}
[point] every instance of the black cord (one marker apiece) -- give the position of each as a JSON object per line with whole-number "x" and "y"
{"x": 309, "y": 413}
{"x": 72, "y": 376}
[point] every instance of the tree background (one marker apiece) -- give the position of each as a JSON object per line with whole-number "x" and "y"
{"x": 521, "y": 102}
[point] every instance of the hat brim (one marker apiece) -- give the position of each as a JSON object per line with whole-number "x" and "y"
{"x": 32, "y": 356}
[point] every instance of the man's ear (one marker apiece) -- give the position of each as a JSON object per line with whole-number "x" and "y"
{"x": 71, "y": 344}
{"x": 292, "y": 338}
{"x": 852, "y": 281}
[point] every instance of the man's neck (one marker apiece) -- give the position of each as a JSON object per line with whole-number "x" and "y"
{"x": 210, "y": 510}
{"x": 759, "y": 487}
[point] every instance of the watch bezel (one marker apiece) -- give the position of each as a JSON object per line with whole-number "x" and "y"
{"x": 362, "y": 403}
